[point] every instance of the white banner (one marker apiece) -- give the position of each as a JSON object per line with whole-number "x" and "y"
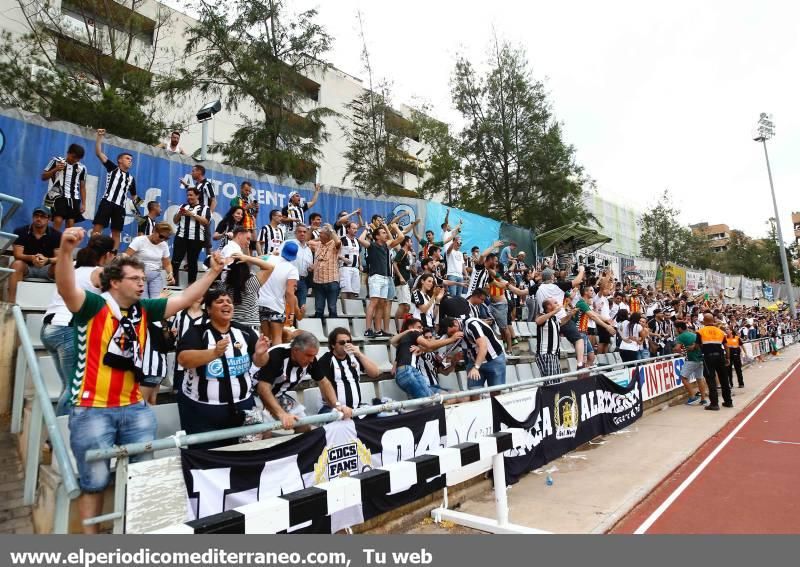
{"x": 648, "y": 269}
{"x": 695, "y": 281}
{"x": 733, "y": 285}
{"x": 748, "y": 288}
{"x": 715, "y": 282}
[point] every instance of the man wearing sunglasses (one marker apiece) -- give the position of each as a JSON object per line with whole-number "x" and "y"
{"x": 343, "y": 365}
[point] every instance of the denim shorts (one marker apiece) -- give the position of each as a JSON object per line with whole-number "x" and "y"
{"x": 692, "y": 370}
{"x": 587, "y": 345}
{"x": 413, "y": 382}
{"x": 492, "y": 373}
{"x": 379, "y": 286}
{"x": 102, "y": 428}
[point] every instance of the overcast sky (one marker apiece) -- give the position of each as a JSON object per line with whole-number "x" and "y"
{"x": 653, "y": 96}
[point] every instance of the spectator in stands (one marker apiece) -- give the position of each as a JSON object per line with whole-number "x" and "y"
{"x": 487, "y": 359}
{"x": 153, "y": 252}
{"x": 277, "y": 295}
{"x": 426, "y": 297}
{"x": 193, "y": 220}
{"x": 343, "y": 222}
{"x": 304, "y": 262}
{"x": 342, "y": 366}
{"x": 239, "y": 244}
{"x": 58, "y": 334}
{"x": 315, "y": 224}
{"x": 173, "y": 145}
{"x": 217, "y": 358}
{"x": 410, "y": 342}
{"x": 195, "y": 314}
{"x": 250, "y": 206}
{"x": 692, "y": 370}
{"x": 506, "y": 255}
{"x": 350, "y": 258}
{"x": 582, "y": 317}
{"x": 111, "y": 328}
{"x": 66, "y": 188}
{"x": 35, "y": 251}
{"x": 287, "y": 366}
{"x": 224, "y": 229}
{"x": 294, "y": 212}
{"x": 632, "y": 334}
{"x": 557, "y": 290}
{"x": 548, "y": 339}
{"x": 454, "y": 262}
{"x": 484, "y": 265}
{"x": 243, "y": 286}
{"x": 479, "y": 308}
{"x": 148, "y": 222}
{"x": 119, "y": 183}
{"x": 403, "y": 268}
{"x": 272, "y": 235}
{"x": 206, "y": 197}
{"x": 326, "y": 271}
{"x": 379, "y": 270}
{"x": 432, "y": 363}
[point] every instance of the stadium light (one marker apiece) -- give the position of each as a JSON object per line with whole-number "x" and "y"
{"x": 206, "y": 113}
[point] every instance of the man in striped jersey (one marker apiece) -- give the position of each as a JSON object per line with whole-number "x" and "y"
{"x": 350, "y": 258}
{"x": 66, "y": 179}
{"x": 487, "y": 359}
{"x": 119, "y": 183}
{"x": 548, "y": 339}
{"x": 192, "y": 220}
{"x": 272, "y": 235}
{"x": 343, "y": 365}
{"x": 485, "y": 264}
{"x": 207, "y": 197}
{"x": 343, "y": 222}
{"x": 294, "y": 213}
{"x": 287, "y": 365}
{"x": 148, "y": 223}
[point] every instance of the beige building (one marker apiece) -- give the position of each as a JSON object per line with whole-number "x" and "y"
{"x": 717, "y": 235}
{"x": 81, "y": 27}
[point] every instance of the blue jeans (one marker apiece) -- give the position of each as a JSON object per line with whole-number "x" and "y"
{"x": 492, "y": 373}
{"x": 60, "y": 343}
{"x": 455, "y": 290}
{"x": 412, "y": 382}
{"x": 154, "y": 285}
{"x": 302, "y": 291}
{"x": 326, "y": 292}
{"x": 102, "y": 428}
{"x": 643, "y": 354}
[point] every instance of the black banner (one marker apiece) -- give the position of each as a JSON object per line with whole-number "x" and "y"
{"x": 566, "y": 416}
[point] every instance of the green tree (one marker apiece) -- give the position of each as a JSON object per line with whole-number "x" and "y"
{"x": 101, "y": 67}
{"x": 258, "y": 60}
{"x": 664, "y": 238}
{"x": 517, "y": 166}
{"x": 375, "y": 135}
{"x": 442, "y": 161}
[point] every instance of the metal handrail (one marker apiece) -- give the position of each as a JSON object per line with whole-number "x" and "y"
{"x": 221, "y": 434}
{"x": 43, "y": 405}
{"x": 16, "y": 203}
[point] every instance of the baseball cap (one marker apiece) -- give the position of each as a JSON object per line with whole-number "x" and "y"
{"x": 293, "y": 193}
{"x": 289, "y": 250}
{"x": 42, "y": 211}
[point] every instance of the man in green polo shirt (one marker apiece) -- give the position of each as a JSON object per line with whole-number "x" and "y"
{"x": 692, "y": 371}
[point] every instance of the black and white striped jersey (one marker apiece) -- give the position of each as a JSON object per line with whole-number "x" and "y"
{"x": 420, "y": 298}
{"x": 271, "y": 238}
{"x": 284, "y": 374}
{"x": 206, "y": 189}
{"x": 206, "y": 383}
{"x": 428, "y": 364}
{"x": 118, "y": 184}
{"x": 188, "y": 227}
{"x": 350, "y": 252}
{"x": 344, "y": 375}
{"x": 147, "y": 226}
{"x": 67, "y": 182}
{"x": 295, "y": 212}
{"x": 341, "y": 229}
{"x": 473, "y": 330}
{"x": 479, "y": 278}
{"x": 548, "y": 340}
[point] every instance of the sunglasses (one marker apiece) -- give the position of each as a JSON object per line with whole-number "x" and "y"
{"x": 163, "y": 237}
{"x": 344, "y": 342}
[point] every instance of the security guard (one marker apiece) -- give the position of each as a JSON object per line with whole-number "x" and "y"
{"x": 715, "y": 360}
{"x": 733, "y": 346}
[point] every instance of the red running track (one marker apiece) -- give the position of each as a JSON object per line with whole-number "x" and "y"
{"x": 744, "y": 483}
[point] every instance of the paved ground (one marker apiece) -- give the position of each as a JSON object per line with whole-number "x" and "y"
{"x": 742, "y": 481}
{"x": 14, "y": 517}
{"x": 596, "y": 487}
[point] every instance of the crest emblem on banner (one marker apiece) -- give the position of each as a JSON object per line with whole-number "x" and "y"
{"x": 341, "y": 461}
{"x": 566, "y": 415}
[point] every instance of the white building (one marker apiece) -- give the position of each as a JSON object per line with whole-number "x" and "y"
{"x": 619, "y": 222}
{"x": 79, "y": 26}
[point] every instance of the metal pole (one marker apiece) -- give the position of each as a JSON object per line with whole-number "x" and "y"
{"x": 500, "y": 496}
{"x": 204, "y": 140}
{"x": 781, "y": 247}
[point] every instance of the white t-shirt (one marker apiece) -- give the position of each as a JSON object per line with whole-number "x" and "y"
{"x": 148, "y": 253}
{"x": 230, "y": 249}
{"x": 627, "y": 332}
{"x": 272, "y": 294}
{"x": 548, "y": 290}
{"x": 455, "y": 262}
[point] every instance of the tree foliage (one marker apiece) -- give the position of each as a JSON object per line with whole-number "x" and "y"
{"x": 663, "y": 237}
{"x": 442, "y": 161}
{"x": 95, "y": 68}
{"x": 516, "y": 165}
{"x": 257, "y": 58}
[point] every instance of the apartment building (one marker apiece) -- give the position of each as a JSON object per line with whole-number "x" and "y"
{"x": 718, "y": 236}
{"x": 157, "y": 46}
{"x": 619, "y": 222}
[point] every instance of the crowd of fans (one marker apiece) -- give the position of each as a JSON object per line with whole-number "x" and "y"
{"x": 234, "y": 328}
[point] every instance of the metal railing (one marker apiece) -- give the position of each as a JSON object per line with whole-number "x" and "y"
{"x": 6, "y": 214}
{"x": 41, "y": 412}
